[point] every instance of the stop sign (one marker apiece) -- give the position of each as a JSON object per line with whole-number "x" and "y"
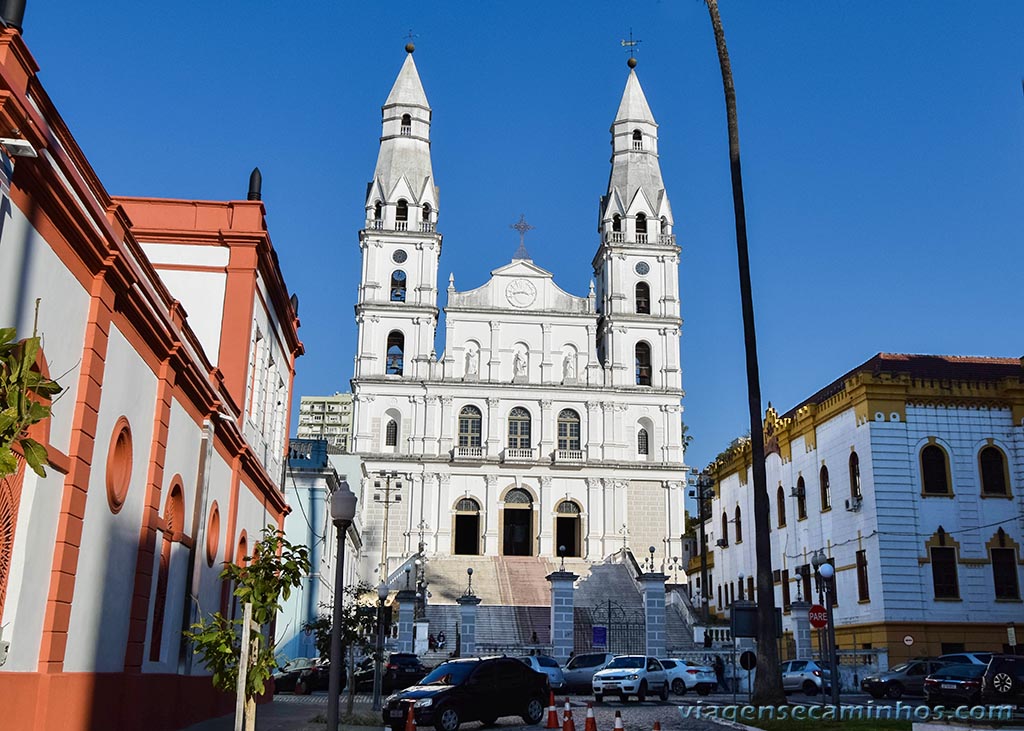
{"x": 818, "y": 616}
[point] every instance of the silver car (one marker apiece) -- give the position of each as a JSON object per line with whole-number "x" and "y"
{"x": 546, "y": 666}
{"x": 579, "y": 671}
{"x": 805, "y": 675}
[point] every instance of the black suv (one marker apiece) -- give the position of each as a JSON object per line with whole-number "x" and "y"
{"x": 1003, "y": 680}
{"x": 471, "y": 689}
{"x": 401, "y": 670}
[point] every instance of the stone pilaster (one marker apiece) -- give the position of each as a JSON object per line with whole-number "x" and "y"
{"x": 406, "y": 610}
{"x": 467, "y": 633}
{"x": 654, "y": 611}
{"x": 562, "y": 619}
{"x": 801, "y": 629}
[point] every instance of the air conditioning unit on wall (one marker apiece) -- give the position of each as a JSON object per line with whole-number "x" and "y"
{"x": 853, "y": 504}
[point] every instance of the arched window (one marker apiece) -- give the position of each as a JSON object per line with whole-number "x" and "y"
{"x": 395, "y": 362}
{"x": 568, "y": 507}
{"x": 993, "y": 472}
{"x": 664, "y": 224}
{"x": 378, "y": 211}
{"x": 616, "y": 222}
{"x": 643, "y": 298}
{"x": 935, "y": 470}
{"x": 643, "y": 442}
{"x": 406, "y": 124}
{"x": 398, "y": 286}
{"x": 519, "y": 428}
{"x": 854, "y": 475}
{"x": 826, "y": 490}
{"x": 725, "y": 529}
{"x": 780, "y": 503}
{"x": 391, "y": 434}
{"x": 518, "y": 496}
{"x": 641, "y": 223}
{"x": 801, "y": 499}
{"x": 402, "y": 211}
{"x": 738, "y": 527}
{"x": 568, "y": 430}
{"x": 427, "y": 211}
{"x": 467, "y": 505}
{"x": 638, "y": 140}
{"x": 470, "y": 425}
{"x": 643, "y": 364}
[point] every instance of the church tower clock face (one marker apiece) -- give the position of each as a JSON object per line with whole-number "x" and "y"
{"x": 520, "y": 293}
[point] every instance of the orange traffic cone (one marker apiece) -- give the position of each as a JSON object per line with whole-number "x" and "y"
{"x": 618, "y": 721}
{"x": 410, "y": 720}
{"x": 552, "y": 713}
{"x": 591, "y": 723}
{"x": 567, "y": 723}
{"x": 657, "y": 726}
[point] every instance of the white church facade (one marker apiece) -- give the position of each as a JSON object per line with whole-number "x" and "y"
{"x": 549, "y": 419}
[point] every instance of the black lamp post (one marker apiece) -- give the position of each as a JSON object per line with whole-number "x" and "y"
{"x": 378, "y": 679}
{"x": 343, "y": 510}
{"x": 828, "y": 574}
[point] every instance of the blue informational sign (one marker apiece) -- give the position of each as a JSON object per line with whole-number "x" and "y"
{"x": 600, "y": 636}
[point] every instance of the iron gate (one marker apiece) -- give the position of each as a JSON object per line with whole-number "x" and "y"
{"x": 626, "y": 629}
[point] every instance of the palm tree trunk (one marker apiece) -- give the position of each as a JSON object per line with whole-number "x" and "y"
{"x": 768, "y": 682}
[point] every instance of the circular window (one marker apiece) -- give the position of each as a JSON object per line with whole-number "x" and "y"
{"x": 642, "y": 267}
{"x": 399, "y": 256}
{"x": 119, "y": 464}
{"x": 213, "y": 534}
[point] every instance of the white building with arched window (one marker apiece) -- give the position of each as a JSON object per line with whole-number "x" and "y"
{"x": 547, "y": 419}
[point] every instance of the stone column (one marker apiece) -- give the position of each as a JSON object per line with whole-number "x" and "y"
{"x": 562, "y": 619}
{"x": 467, "y": 634}
{"x": 545, "y": 529}
{"x": 406, "y": 609}
{"x": 654, "y": 611}
{"x": 801, "y": 629}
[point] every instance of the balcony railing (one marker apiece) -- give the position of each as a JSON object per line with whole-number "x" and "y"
{"x": 667, "y": 239}
{"x": 427, "y": 226}
{"x": 511, "y": 455}
{"x": 376, "y": 224}
{"x": 641, "y": 238}
{"x": 406, "y": 129}
{"x": 401, "y": 225}
{"x": 615, "y": 237}
{"x": 468, "y": 453}
{"x": 571, "y": 456}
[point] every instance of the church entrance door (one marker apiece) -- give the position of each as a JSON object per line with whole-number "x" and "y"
{"x": 567, "y": 529}
{"x": 467, "y": 528}
{"x": 517, "y": 534}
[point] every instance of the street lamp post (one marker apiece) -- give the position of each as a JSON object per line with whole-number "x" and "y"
{"x": 378, "y": 680}
{"x": 828, "y": 573}
{"x": 343, "y": 511}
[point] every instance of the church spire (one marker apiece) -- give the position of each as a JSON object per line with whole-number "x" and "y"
{"x": 404, "y": 177}
{"x": 636, "y": 202}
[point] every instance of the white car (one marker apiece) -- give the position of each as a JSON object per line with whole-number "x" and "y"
{"x": 547, "y": 666}
{"x": 684, "y": 675}
{"x": 629, "y": 675}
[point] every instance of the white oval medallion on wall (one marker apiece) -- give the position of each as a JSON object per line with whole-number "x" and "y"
{"x": 520, "y": 293}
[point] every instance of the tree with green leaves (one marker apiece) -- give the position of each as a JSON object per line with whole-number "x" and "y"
{"x": 24, "y": 401}
{"x": 264, "y": 580}
{"x": 768, "y": 681}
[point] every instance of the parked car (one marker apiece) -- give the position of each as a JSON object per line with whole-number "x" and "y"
{"x": 954, "y": 685}
{"x": 401, "y": 670}
{"x": 905, "y": 678}
{"x": 1003, "y": 680}
{"x": 966, "y": 658}
{"x": 629, "y": 675}
{"x": 471, "y": 689}
{"x": 804, "y": 675}
{"x": 286, "y": 677}
{"x": 684, "y": 675}
{"x": 548, "y": 666}
{"x": 579, "y": 671}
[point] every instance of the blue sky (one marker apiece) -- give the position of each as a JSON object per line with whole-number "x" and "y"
{"x": 882, "y": 147}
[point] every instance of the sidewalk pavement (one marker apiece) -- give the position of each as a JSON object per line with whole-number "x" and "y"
{"x": 284, "y": 713}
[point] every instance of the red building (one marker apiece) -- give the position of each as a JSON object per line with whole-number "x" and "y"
{"x": 169, "y": 326}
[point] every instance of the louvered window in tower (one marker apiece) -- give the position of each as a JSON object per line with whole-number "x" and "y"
{"x": 643, "y": 364}
{"x": 643, "y": 299}
{"x": 402, "y": 216}
{"x": 395, "y": 361}
{"x": 398, "y": 286}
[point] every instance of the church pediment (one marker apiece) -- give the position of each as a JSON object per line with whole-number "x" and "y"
{"x": 520, "y": 285}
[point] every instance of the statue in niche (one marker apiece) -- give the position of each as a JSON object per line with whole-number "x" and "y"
{"x": 519, "y": 365}
{"x": 471, "y": 362}
{"x": 569, "y": 367}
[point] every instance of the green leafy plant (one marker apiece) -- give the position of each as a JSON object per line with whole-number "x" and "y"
{"x": 265, "y": 579}
{"x": 22, "y": 392}
{"x": 358, "y": 623}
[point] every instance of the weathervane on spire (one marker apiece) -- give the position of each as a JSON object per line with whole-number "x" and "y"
{"x": 632, "y": 46}
{"x": 522, "y": 227}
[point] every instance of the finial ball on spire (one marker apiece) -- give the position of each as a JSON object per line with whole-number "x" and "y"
{"x": 409, "y": 48}
{"x": 631, "y": 62}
